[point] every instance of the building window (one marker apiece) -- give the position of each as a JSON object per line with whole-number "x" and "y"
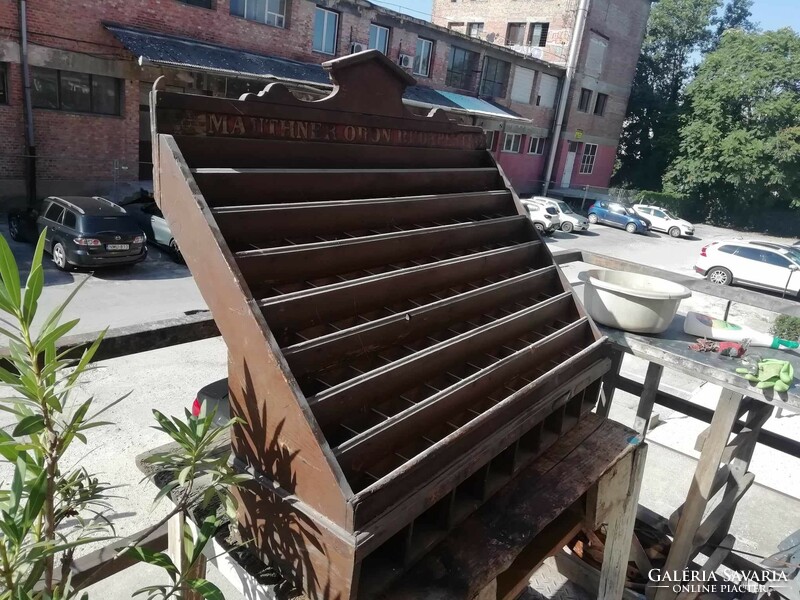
{"x": 512, "y": 142}
{"x": 474, "y": 29}
{"x": 3, "y": 84}
{"x": 76, "y": 92}
{"x": 456, "y": 26}
{"x": 536, "y": 145}
{"x": 537, "y": 36}
{"x": 422, "y": 57}
{"x": 491, "y": 139}
{"x": 270, "y": 12}
{"x": 379, "y": 38}
{"x": 515, "y": 35}
{"x": 522, "y": 87}
{"x": 585, "y": 100}
{"x": 495, "y": 78}
{"x": 600, "y": 104}
{"x": 548, "y": 88}
{"x": 461, "y": 69}
{"x": 587, "y": 160}
{"x": 326, "y": 25}
{"x": 200, "y": 3}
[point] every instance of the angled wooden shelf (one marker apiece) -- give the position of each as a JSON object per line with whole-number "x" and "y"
{"x": 401, "y": 344}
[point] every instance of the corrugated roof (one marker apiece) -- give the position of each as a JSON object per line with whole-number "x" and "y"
{"x": 174, "y": 51}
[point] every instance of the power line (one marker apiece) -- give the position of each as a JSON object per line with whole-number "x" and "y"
{"x": 403, "y": 8}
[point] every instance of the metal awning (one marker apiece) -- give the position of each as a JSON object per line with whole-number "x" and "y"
{"x": 184, "y": 53}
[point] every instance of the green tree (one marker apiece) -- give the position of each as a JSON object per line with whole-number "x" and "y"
{"x": 677, "y": 32}
{"x": 740, "y": 137}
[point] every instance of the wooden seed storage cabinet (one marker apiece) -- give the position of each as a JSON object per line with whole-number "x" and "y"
{"x": 401, "y": 344}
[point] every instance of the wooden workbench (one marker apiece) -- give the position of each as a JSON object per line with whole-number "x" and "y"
{"x": 724, "y": 462}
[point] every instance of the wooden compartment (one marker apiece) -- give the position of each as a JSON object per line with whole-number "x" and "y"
{"x": 401, "y": 344}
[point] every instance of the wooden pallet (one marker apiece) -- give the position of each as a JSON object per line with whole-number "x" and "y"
{"x": 401, "y": 344}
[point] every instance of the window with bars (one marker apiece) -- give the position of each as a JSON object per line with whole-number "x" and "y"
{"x": 422, "y": 57}
{"x": 585, "y": 100}
{"x": 474, "y": 29}
{"x": 269, "y": 12}
{"x": 537, "y": 35}
{"x": 536, "y": 145}
{"x": 326, "y": 25}
{"x": 600, "y": 104}
{"x": 512, "y": 142}
{"x": 3, "y": 83}
{"x": 379, "y": 38}
{"x": 587, "y": 159}
{"x": 461, "y": 68}
{"x": 75, "y": 92}
{"x": 494, "y": 78}
{"x": 515, "y": 34}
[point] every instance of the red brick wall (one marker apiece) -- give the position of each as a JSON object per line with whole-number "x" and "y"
{"x": 12, "y": 136}
{"x": 525, "y": 171}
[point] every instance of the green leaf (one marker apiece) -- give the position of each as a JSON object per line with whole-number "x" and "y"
{"x": 55, "y": 315}
{"x": 206, "y": 589}
{"x": 9, "y": 273}
{"x": 55, "y": 334}
{"x": 207, "y": 530}
{"x": 33, "y": 290}
{"x": 29, "y": 426}
{"x": 36, "y": 498}
{"x": 86, "y": 358}
{"x": 159, "y": 559}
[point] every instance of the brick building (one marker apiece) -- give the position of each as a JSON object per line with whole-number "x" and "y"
{"x": 608, "y": 44}
{"x": 92, "y": 63}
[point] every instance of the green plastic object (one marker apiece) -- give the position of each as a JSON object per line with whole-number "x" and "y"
{"x": 771, "y": 373}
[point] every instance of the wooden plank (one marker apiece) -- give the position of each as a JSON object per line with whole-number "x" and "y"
{"x": 105, "y": 562}
{"x": 332, "y": 302}
{"x": 227, "y": 187}
{"x": 317, "y": 353}
{"x": 683, "y": 547}
{"x": 251, "y": 226}
{"x": 390, "y": 434}
{"x": 684, "y": 406}
{"x": 392, "y": 378}
{"x": 455, "y": 458}
{"x": 711, "y": 565}
{"x": 723, "y": 512}
{"x": 620, "y": 529}
{"x": 610, "y": 383}
{"x": 264, "y": 268}
{"x": 644, "y": 410}
{"x": 488, "y": 542}
{"x": 205, "y": 152}
{"x": 516, "y": 578}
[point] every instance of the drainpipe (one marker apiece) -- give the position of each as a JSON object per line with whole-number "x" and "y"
{"x": 572, "y": 61}
{"x": 30, "y": 159}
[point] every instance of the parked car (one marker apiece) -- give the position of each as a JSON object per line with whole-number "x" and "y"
{"x": 569, "y": 220}
{"x": 82, "y": 231}
{"x": 149, "y": 217}
{"x": 759, "y": 264}
{"x": 614, "y": 213}
{"x": 662, "y": 220}
{"x": 544, "y": 218}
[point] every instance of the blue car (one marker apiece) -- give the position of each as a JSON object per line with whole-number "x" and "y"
{"x": 613, "y": 213}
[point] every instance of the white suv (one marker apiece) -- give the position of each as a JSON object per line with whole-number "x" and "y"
{"x": 544, "y": 218}
{"x": 661, "y": 220}
{"x": 760, "y": 264}
{"x": 570, "y": 221}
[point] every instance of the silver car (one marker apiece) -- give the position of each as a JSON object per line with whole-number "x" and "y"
{"x": 149, "y": 217}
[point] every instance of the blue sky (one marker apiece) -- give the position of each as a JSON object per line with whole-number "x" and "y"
{"x": 771, "y": 14}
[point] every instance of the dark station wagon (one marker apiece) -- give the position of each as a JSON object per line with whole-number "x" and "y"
{"x": 82, "y": 231}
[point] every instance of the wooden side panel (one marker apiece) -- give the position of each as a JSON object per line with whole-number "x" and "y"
{"x": 264, "y": 393}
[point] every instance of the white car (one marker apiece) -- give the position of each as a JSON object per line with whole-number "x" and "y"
{"x": 661, "y": 220}
{"x": 759, "y": 264}
{"x": 569, "y": 220}
{"x": 544, "y": 218}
